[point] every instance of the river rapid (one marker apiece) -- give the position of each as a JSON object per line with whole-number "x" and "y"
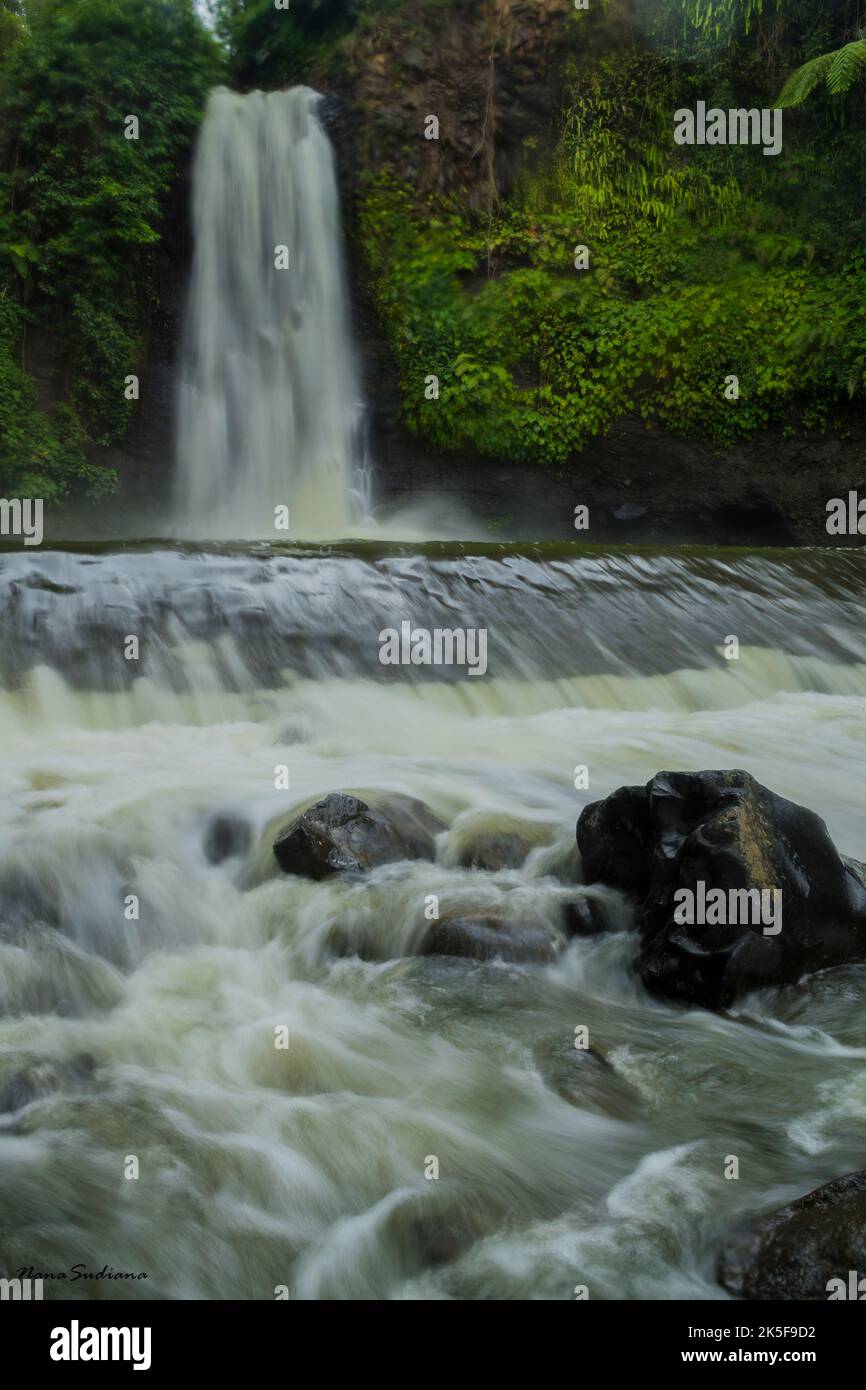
{"x": 307, "y": 1168}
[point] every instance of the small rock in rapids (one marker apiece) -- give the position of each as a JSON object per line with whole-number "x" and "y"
{"x": 344, "y": 834}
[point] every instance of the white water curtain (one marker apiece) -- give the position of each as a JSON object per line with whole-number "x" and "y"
{"x": 269, "y": 403}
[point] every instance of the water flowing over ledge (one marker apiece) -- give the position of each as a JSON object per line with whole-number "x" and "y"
{"x": 224, "y": 620}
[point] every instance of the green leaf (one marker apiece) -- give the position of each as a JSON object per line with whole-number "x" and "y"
{"x": 845, "y": 68}
{"x": 804, "y": 81}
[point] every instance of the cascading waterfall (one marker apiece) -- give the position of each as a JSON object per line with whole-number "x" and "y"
{"x": 269, "y": 409}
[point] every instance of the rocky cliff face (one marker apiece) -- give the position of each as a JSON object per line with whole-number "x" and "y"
{"x": 492, "y": 74}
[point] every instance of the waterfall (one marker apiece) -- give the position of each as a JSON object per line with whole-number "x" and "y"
{"x": 269, "y": 409}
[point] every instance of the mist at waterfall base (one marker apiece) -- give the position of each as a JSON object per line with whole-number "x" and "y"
{"x": 304, "y": 1167}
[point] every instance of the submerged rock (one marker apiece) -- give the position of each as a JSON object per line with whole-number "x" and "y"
{"x": 344, "y": 834}
{"x": 226, "y": 837}
{"x": 586, "y": 917}
{"x": 19, "y": 1089}
{"x": 23, "y": 1087}
{"x": 707, "y": 831}
{"x": 422, "y": 1234}
{"x": 494, "y": 849}
{"x": 26, "y": 897}
{"x": 584, "y": 1078}
{"x": 489, "y": 937}
{"x": 807, "y": 1250}
{"x": 437, "y": 1241}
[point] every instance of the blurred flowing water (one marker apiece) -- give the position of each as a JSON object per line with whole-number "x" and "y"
{"x": 305, "y": 1167}
{"x": 269, "y": 404}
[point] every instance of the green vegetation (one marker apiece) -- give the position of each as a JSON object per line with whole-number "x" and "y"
{"x": 273, "y": 49}
{"x": 704, "y": 264}
{"x": 839, "y": 70}
{"x": 82, "y": 213}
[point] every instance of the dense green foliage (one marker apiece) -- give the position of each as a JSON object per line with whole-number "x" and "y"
{"x": 704, "y": 264}
{"x": 83, "y": 210}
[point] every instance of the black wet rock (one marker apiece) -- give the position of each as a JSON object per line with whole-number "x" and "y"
{"x": 797, "y": 1251}
{"x": 615, "y": 838}
{"x": 727, "y": 831}
{"x": 486, "y": 936}
{"x": 342, "y": 834}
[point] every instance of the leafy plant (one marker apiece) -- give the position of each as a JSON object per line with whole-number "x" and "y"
{"x": 838, "y": 70}
{"x": 84, "y": 205}
{"x": 703, "y": 265}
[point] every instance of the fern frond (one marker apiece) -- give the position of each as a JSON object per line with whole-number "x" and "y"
{"x": 840, "y": 68}
{"x": 846, "y": 65}
{"x": 804, "y": 81}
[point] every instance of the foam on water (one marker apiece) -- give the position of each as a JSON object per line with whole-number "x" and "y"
{"x": 305, "y": 1167}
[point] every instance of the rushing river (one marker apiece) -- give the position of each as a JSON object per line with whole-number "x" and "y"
{"x": 306, "y": 1166}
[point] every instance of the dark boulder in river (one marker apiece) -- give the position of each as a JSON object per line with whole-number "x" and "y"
{"x": 789, "y": 902}
{"x": 807, "y": 1250}
{"x": 343, "y": 834}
